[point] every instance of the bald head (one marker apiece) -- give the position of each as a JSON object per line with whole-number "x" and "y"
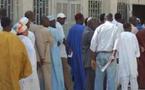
{"x": 133, "y": 20}
{"x": 30, "y": 15}
{"x": 79, "y": 17}
{"x": 44, "y": 21}
{"x": 109, "y": 17}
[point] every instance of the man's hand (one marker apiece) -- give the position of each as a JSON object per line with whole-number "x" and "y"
{"x": 58, "y": 43}
{"x": 112, "y": 57}
{"x": 42, "y": 61}
{"x": 93, "y": 64}
{"x": 38, "y": 64}
{"x": 142, "y": 49}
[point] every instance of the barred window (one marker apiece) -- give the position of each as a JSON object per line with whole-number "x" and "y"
{"x": 95, "y": 8}
{"x": 8, "y": 5}
{"x": 75, "y": 8}
{"x": 62, "y": 7}
{"x": 69, "y": 8}
{"x": 40, "y": 9}
{"x": 122, "y": 8}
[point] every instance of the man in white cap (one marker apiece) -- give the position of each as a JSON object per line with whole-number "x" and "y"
{"x": 32, "y": 81}
{"x": 57, "y": 70}
{"x": 66, "y": 68}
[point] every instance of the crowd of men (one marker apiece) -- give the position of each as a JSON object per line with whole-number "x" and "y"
{"x": 103, "y": 54}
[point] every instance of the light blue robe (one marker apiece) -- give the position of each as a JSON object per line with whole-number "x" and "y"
{"x": 57, "y": 70}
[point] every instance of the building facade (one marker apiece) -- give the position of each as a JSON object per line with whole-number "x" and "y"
{"x": 17, "y": 8}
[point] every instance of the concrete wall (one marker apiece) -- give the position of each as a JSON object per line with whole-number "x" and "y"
{"x": 109, "y": 6}
{"x": 20, "y": 7}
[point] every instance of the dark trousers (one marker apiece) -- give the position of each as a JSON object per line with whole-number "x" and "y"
{"x": 90, "y": 78}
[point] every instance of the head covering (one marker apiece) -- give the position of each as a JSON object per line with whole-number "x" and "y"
{"x": 89, "y": 18}
{"x": 61, "y": 15}
{"x": 138, "y": 19}
{"x": 21, "y": 25}
{"x": 24, "y": 20}
{"x": 51, "y": 18}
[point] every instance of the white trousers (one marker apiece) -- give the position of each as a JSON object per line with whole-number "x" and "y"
{"x": 125, "y": 83}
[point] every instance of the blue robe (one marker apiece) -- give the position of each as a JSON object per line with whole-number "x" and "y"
{"x": 74, "y": 43}
{"x": 57, "y": 70}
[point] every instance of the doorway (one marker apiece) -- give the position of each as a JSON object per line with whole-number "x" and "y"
{"x": 138, "y": 11}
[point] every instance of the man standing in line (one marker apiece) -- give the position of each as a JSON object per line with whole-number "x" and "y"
{"x": 32, "y": 81}
{"x": 57, "y": 69}
{"x": 102, "y": 18}
{"x": 32, "y": 27}
{"x": 117, "y": 22}
{"x": 14, "y": 61}
{"x": 74, "y": 40}
{"x": 102, "y": 43}
{"x": 133, "y": 22}
{"x": 141, "y": 63}
{"x": 66, "y": 68}
{"x": 128, "y": 49}
{"x": 43, "y": 43}
{"x": 86, "y": 54}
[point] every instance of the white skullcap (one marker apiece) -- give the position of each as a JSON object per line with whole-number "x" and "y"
{"x": 51, "y": 18}
{"x": 61, "y": 15}
{"x": 21, "y": 25}
{"x": 21, "y": 28}
{"x": 138, "y": 19}
{"x": 24, "y": 20}
{"x": 89, "y": 19}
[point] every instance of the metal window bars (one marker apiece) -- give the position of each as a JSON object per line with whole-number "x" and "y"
{"x": 40, "y": 9}
{"x": 122, "y": 8}
{"x": 94, "y": 8}
{"x": 8, "y": 5}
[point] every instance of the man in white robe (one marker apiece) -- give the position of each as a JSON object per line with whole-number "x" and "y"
{"x": 66, "y": 68}
{"x": 32, "y": 82}
{"x": 117, "y": 22}
{"x": 57, "y": 69}
{"x": 128, "y": 49}
{"x": 31, "y": 16}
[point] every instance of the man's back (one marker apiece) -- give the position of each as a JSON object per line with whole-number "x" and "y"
{"x": 75, "y": 36}
{"x": 43, "y": 41}
{"x": 86, "y": 40}
{"x": 128, "y": 45}
{"x": 14, "y": 63}
{"x": 128, "y": 49}
{"x": 104, "y": 37}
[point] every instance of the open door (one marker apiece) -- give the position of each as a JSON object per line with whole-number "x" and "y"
{"x": 139, "y": 11}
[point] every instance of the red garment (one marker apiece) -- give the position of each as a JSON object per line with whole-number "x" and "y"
{"x": 141, "y": 62}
